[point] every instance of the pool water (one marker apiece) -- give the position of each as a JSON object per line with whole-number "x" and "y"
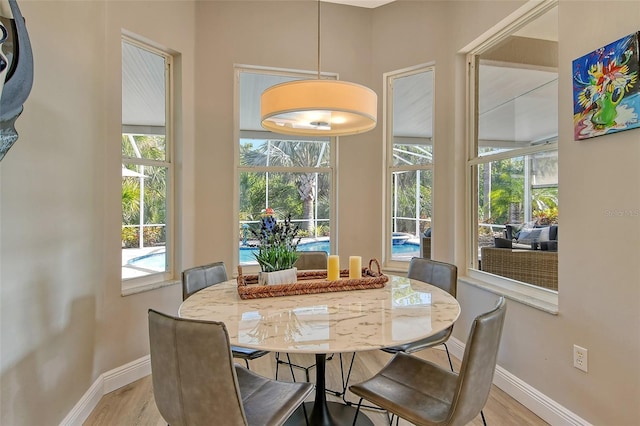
{"x": 156, "y": 261}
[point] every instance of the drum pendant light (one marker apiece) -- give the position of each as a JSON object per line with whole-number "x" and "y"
{"x": 319, "y": 107}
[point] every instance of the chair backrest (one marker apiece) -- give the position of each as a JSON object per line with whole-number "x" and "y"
{"x": 478, "y": 366}
{"x": 192, "y": 370}
{"x": 440, "y": 274}
{"x": 311, "y": 260}
{"x": 199, "y": 277}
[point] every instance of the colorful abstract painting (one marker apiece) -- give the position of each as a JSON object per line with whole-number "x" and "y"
{"x": 606, "y": 90}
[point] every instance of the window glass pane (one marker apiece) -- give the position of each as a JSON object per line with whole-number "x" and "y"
{"x": 514, "y": 213}
{"x": 145, "y": 166}
{"x": 544, "y": 169}
{"x": 508, "y": 193}
{"x": 251, "y": 87}
{"x": 517, "y": 108}
{"x": 411, "y": 148}
{"x": 501, "y": 191}
{"x": 412, "y": 119}
{"x": 284, "y": 153}
{"x": 144, "y": 211}
{"x": 151, "y": 147}
{"x": 143, "y": 96}
{"x": 412, "y": 154}
{"x": 412, "y": 207}
{"x": 303, "y": 195}
{"x": 287, "y": 173}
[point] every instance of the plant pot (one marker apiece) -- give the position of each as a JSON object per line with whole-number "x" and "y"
{"x": 286, "y": 276}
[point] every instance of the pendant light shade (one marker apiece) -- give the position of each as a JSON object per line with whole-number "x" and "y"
{"x": 319, "y": 107}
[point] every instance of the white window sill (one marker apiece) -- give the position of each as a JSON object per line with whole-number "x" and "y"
{"x": 141, "y": 288}
{"x": 535, "y": 297}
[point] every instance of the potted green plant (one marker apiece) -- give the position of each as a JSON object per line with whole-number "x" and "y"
{"x": 277, "y": 244}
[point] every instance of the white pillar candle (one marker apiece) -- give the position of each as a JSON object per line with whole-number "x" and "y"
{"x": 333, "y": 267}
{"x": 355, "y": 267}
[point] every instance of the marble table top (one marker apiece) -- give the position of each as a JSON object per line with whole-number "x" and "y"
{"x": 346, "y": 321}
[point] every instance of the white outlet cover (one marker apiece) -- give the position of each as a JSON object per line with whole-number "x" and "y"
{"x": 580, "y": 358}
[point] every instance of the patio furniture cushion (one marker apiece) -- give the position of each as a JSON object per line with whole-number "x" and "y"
{"x": 528, "y": 237}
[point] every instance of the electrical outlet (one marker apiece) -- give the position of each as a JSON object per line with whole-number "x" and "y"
{"x": 580, "y": 358}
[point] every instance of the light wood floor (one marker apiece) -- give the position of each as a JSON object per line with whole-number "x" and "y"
{"x": 134, "y": 403}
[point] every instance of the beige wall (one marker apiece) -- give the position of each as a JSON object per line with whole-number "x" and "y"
{"x": 63, "y": 321}
{"x": 599, "y": 274}
{"x": 599, "y": 271}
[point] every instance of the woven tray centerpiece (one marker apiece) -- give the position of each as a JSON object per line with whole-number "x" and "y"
{"x": 311, "y": 282}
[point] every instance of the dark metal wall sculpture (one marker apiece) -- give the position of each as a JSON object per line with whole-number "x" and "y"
{"x": 16, "y": 74}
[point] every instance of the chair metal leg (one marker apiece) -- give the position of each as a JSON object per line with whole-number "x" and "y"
{"x": 246, "y": 361}
{"x": 390, "y": 418}
{"x": 306, "y": 371}
{"x": 448, "y": 356}
{"x": 345, "y": 384}
{"x": 484, "y": 422}
{"x": 355, "y": 418}
{"x": 292, "y": 365}
{"x": 306, "y": 418}
{"x": 293, "y": 376}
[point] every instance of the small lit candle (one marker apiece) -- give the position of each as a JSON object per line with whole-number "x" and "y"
{"x": 355, "y": 267}
{"x": 333, "y": 267}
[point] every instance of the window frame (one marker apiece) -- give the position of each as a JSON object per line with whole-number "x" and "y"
{"x": 168, "y": 277}
{"x": 537, "y": 297}
{"x": 390, "y": 168}
{"x": 264, "y": 135}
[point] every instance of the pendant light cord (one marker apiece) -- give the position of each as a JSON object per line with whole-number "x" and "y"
{"x": 318, "y": 39}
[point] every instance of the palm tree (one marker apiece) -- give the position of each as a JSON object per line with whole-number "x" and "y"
{"x": 130, "y": 201}
{"x": 280, "y": 153}
{"x": 507, "y": 191}
{"x": 150, "y": 147}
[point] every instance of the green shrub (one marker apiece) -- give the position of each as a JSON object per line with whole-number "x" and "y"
{"x": 153, "y": 235}
{"x": 130, "y": 237}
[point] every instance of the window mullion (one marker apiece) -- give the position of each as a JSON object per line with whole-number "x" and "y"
{"x": 521, "y": 152}
{"x": 145, "y": 162}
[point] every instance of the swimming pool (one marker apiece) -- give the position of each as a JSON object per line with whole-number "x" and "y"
{"x": 156, "y": 261}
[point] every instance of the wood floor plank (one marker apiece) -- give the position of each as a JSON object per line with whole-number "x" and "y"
{"x": 134, "y": 404}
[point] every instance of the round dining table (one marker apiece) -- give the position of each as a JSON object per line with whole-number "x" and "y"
{"x": 403, "y": 311}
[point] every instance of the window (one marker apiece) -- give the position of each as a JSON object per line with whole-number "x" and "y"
{"x": 514, "y": 155}
{"x": 147, "y": 168}
{"x": 409, "y": 161}
{"x": 289, "y": 174}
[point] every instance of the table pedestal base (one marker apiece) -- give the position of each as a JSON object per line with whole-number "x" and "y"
{"x": 322, "y": 412}
{"x": 338, "y": 414}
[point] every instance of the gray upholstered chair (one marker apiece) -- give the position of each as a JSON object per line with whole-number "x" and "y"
{"x": 195, "y": 381}
{"x": 307, "y": 260}
{"x": 444, "y": 276}
{"x": 424, "y": 393}
{"x": 440, "y": 274}
{"x": 199, "y": 277}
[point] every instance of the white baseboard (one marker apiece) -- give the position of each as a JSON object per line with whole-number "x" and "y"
{"x": 105, "y": 383}
{"x": 128, "y": 373}
{"x": 540, "y": 404}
